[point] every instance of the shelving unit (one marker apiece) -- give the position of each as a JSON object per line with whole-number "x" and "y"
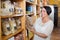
{"x": 31, "y": 12}
{"x": 0, "y": 20}
{"x": 34, "y": 13}
{"x": 11, "y": 35}
{"x": 15, "y": 15}
{"x": 21, "y": 16}
{"x": 38, "y": 8}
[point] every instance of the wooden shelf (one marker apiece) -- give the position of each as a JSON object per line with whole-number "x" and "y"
{"x": 31, "y": 3}
{"x": 18, "y": 0}
{"x": 15, "y": 15}
{"x": 11, "y": 35}
{"x": 30, "y": 14}
{"x": 22, "y": 4}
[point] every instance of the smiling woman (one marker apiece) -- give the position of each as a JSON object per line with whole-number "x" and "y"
{"x": 43, "y": 26}
{"x": 46, "y": 9}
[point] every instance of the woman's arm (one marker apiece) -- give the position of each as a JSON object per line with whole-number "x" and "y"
{"x": 38, "y": 33}
{"x": 41, "y": 35}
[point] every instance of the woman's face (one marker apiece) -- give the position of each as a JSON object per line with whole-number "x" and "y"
{"x": 44, "y": 13}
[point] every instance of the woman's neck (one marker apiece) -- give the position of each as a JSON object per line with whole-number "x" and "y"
{"x": 45, "y": 19}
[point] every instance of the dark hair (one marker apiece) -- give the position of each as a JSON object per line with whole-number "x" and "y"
{"x": 48, "y": 9}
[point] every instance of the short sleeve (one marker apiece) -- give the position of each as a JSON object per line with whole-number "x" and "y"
{"x": 48, "y": 28}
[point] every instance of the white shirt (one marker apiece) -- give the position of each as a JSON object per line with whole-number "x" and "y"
{"x": 45, "y": 28}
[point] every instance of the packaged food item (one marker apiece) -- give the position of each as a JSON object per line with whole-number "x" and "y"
{"x": 28, "y": 12}
{"x": 19, "y": 37}
{"x": 13, "y": 25}
{"x": 12, "y": 38}
{"x": 7, "y": 8}
{"x": 29, "y": 9}
{"x": 18, "y": 23}
{"x": 18, "y": 9}
{"x": 6, "y": 27}
{"x": 30, "y": 20}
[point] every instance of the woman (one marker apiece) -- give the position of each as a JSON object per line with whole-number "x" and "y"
{"x": 43, "y": 26}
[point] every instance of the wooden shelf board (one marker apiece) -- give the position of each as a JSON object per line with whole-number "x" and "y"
{"x": 30, "y": 2}
{"x": 30, "y": 14}
{"x": 11, "y": 35}
{"x": 15, "y": 15}
{"x": 17, "y": 0}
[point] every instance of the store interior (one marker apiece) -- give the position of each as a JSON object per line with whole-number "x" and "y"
{"x": 16, "y": 15}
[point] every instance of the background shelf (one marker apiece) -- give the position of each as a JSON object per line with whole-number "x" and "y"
{"x": 31, "y": 3}
{"x": 14, "y": 15}
{"x": 33, "y": 15}
{"x": 30, "y": 14}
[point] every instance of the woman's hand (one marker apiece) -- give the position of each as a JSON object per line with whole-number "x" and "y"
{"x": 32, "y": 30}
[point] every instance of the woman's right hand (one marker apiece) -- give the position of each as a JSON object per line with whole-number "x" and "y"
{"x": 32, "y": 29}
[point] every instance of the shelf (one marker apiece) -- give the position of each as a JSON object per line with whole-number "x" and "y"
{"x": 30, "y": 14}
{"x": 23, "y": 4}
{"x": 15, "y": 15}
{"x": 31, "y": 3}
{"x": 11, "y": 35}
{"x": 14, "y": 0}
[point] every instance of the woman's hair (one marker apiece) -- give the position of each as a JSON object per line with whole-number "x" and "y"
{"x": 48, "y": 9}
